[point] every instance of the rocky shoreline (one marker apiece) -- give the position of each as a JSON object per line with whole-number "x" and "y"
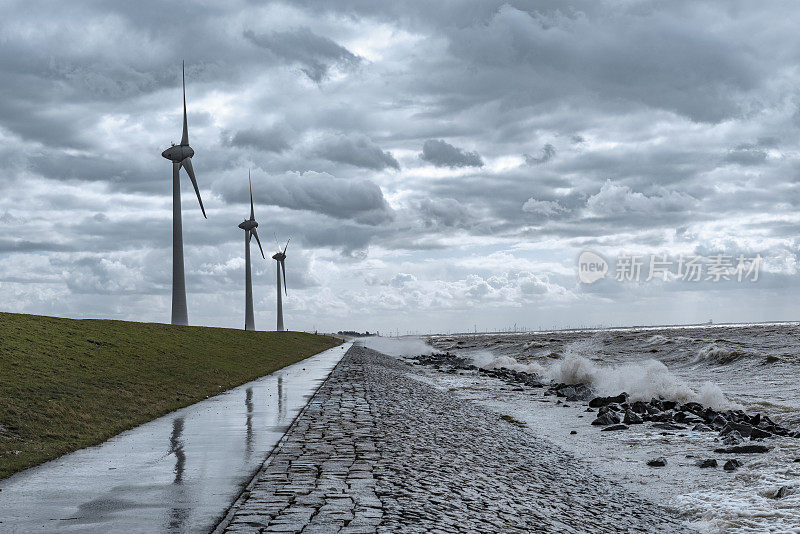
{"x": 618, "y": 413}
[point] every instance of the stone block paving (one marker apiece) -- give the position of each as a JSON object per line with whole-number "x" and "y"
{"x": 379, "y": 451}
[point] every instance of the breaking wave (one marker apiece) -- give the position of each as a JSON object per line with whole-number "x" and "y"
{"x": 642, "y": 380}
{"x": 716, "y": 355}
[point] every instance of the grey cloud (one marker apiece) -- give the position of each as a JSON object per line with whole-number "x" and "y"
{"x": 356, "y": 150}
{"x": 746, "y": 154}
{"x": 445, "y": 212}
{"x": 548, "y": 151}
{"x": 443, "y": 154}
{"x": 315, "y": 53}
{"x": 267, "y": 139}
{"x": 359, "y": 200}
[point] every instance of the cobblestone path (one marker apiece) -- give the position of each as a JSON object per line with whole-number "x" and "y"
{"x": 378, "y": 451}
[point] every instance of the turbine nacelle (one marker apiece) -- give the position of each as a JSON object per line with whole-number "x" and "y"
{"x": 280, "y": 256}
{"x": 178, "y": 153}
{"x": 248, "y": 224}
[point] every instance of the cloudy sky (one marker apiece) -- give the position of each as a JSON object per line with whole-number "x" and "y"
{"x": 438, "y": 165}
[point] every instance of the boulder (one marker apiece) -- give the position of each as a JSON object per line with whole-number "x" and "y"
{"x": 614, "y": 427}
{"x": 731, "y": 465}
{"x": 700, "y": 427}
{"x": 668, "y": 405}
{"x": 757, "y": 433}
{"x": 743, "y": 449}
{"x": 718, "y": 422}
{"x": 692, "y": 407}
{"x": 613, "y": 407}
{"x": 707, "y": 462}
{"x": 732, "y": 438}
{"x": 602, "y": 401}
{"x": 744, "y": 429}
{"x": 639, "y": 407}
{"x": 608, "y": 418}
{"x": 663, "y": 417}
{"x": 657, "y": 462}
{"x": 632, "y": 418}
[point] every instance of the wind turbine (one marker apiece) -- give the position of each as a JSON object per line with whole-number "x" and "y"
{"x": 280, "y": 257}
{"x": 180, "y": 156}
{"x": 249, "y": 226}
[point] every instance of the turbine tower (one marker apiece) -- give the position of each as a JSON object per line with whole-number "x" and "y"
{"x": 280, "y": 257}
{"x": 249, "y": 226}
{"x": 180, "y": 156}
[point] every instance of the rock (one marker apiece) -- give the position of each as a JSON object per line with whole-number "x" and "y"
{"x": 639, "y": 407}
{"x": 657, "y": 462}
{"x": 608, "y": 418}
{"x": 718, "y": 422}
{"x": 692, "y": 407}
{"x": 731, "y": 465}
{"x": 732, "y": 438}
{"x": 603, "y": 401}
{"x": 744, "y": 429}
{"x": 668, "y": 426}
{"x": 573, "y": 432}
{"x": 757, "y": 433}
{"x": 668, "y": 405}
{"x": 743, "y": 449}
{"x": 577, "y": 392}
{"x": 782, "y": 492}
{"x": 613, "y": 407}
{"x": 589, "y": 410}
{"x": 708, "y": 462}
{"x": 663, "y": 417}
{"x": 632, "y": 418}
{"x": 680, "y": 417}
{"x": 700, "y": 427}
{"x": 615, "y": 427}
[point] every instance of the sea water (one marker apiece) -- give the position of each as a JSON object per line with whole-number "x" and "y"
{"x": 755, "y": 367}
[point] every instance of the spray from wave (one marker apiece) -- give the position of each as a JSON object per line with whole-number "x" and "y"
{"x": 642, "y": 381}
{"x": 402, "y": 347}
{"x": 487, "y": 360}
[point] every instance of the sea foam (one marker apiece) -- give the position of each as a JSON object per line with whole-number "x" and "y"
{"x": 642, "y": 380}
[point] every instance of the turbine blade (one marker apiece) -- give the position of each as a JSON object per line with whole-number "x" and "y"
{"x": 283, "y": 268}
{"x": 276, "y": 241}
{"x": 255, "y": 233}
{"x": 287, "y": 245}
{"x": 185, "y": 136}
{"x": 252, "y": 212}
{"x": 187, "y": 164}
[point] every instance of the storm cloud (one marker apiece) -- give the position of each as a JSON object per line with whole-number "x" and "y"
{"x": 431, "y": 161}
{"x": 442, "y": 154}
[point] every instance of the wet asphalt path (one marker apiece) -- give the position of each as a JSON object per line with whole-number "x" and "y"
{"x": 179, "y": 473}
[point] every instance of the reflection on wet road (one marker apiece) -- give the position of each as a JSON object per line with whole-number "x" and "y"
{"x": 177, "y": 474}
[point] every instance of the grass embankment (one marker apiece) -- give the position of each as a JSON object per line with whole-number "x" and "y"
{"x": 67, "y": 384}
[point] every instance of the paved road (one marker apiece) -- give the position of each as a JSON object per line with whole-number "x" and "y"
{"x": 378, "y": 451}
{"x": 178, "y": 473}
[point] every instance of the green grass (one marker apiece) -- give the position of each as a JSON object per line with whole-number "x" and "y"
{"x": 66, "y": 384}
